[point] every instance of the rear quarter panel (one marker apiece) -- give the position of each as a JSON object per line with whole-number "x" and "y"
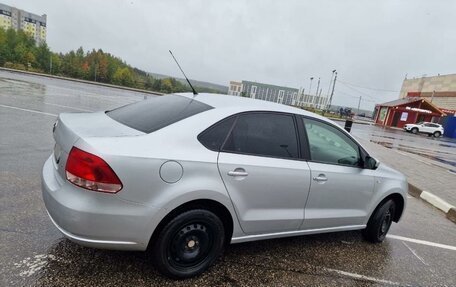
{"x": 137, "y": 161}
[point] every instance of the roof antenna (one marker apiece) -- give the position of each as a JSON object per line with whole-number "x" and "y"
{"x": 193, "y": 89}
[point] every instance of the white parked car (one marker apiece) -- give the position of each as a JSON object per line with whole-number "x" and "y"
{"x": 432, "y": 129}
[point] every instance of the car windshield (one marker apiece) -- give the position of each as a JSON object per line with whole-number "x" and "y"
{"x": 157, "y": 112}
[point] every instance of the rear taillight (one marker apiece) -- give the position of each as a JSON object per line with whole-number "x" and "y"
{"x": 91, "y": 172}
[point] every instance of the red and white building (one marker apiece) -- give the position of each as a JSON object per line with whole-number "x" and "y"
{"x": 408, "y": 110}
{"x": 421, "y": 99}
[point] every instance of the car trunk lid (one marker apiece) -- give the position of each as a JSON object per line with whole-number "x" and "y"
{"x": 70, "y": 127}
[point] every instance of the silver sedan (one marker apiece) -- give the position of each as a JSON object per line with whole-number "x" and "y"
{"x": 182, "y": 176}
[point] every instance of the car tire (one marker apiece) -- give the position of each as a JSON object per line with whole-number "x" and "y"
{"x": 437, "y": 134}
{"x": 188, "y": 244}
{"x": 380, "y": 222}
{"x": 414, "y": 130}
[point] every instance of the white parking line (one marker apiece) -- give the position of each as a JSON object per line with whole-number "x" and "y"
{"x": 424, "y": 242}
{"x": 414, "y": 253}
{"x": 362, "y": 277}
{"x": 78, "y": 109}
{"x": 27, "y": 110}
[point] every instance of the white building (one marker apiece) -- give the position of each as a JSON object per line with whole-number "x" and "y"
{"x": 277, "y": 94}
{"x": 235, "y": 88}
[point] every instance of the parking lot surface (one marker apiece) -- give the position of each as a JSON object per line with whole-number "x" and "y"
{"x": 437, "y": 151}
{"x": 420, "y": 250}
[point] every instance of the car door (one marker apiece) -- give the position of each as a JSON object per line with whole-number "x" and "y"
{"x": 427, "y": 128}
{"x": 261, "y": 168}
{"x": 341, "y": 190}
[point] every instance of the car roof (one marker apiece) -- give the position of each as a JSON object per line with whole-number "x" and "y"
{"x": 220, "y": 101}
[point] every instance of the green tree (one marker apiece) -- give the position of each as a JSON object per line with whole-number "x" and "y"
{"x": 56, "y": 64}
{"x": 20, "y": 51}
{"x": 124, "y": 77}
{"x": 43, "y": 57}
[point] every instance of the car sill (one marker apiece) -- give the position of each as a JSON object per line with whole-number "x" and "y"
{"x": 246, "y": 238}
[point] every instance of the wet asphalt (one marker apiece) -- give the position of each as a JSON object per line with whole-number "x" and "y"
{"x": 437, "y": 151}
{"x": 34, "y": 253}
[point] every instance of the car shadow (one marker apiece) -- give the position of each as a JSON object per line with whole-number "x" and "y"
{"x": 265, "y": 262}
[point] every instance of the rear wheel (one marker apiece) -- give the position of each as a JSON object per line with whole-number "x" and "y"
{"x": 414, "y": 130}
{"x": 437, "y": 134}
{"x": 189, "y": 244}
{"x": 380, "y": 222}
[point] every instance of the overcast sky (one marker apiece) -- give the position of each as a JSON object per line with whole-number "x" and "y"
{"x": 372, "y": 44}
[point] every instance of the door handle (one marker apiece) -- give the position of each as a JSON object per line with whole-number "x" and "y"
{"x": 320, "y": 178}
{"x": 237, "y": 172}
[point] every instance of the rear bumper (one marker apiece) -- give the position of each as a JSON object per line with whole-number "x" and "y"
{"x": 94, "y": 219}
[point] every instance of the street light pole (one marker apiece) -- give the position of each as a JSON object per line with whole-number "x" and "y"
{"x": 359, "y": 103}
{"x": 334, "y": 85}
{"x": 310, "y": 87}
{"x": 318, "y": 86}
{"x": 316, "y": 92}
{"x": 327, "y": 94}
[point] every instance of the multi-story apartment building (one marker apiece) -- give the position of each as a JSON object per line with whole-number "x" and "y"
{"x": 266, "y": 92}
{"x": 277, "y": 94}
{"x": 32, "y": 24}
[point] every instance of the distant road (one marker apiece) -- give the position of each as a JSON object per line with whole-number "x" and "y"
{"x": 79, "y": 80}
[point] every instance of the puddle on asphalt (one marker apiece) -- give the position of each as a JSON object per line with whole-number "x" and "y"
{"x": 412, "y": 149}
{"x": 388, "y": 137}
{"x": 405, "y": 149}
{"x": 436, "y": 141}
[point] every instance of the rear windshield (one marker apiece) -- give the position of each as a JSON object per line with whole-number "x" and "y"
{"x": 158, "y": 112}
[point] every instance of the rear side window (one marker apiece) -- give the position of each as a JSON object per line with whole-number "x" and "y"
{"x": 213, "y": 137}
{"x": 158, "y": 112}
{"x": 264, "y": 134}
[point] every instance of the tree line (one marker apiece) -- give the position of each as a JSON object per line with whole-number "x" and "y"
{"x": 19, "y": 51}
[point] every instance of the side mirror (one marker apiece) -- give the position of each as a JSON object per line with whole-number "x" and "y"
{"x": 371, "y": 163}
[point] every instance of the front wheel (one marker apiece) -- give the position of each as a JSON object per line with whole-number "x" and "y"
{"x": 189, "y": 244}
{"x": 380, "y": 222}
{"x": 414, "y": 130}
{"x": 437, "y": 134}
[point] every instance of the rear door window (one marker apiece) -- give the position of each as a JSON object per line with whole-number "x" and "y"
{"x": 158, "y": 112}
{"x": 264, "y": 134}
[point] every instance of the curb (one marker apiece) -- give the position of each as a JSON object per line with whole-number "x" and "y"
{"x": 81, "y": 81}
{"x": 437, "y": 202}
